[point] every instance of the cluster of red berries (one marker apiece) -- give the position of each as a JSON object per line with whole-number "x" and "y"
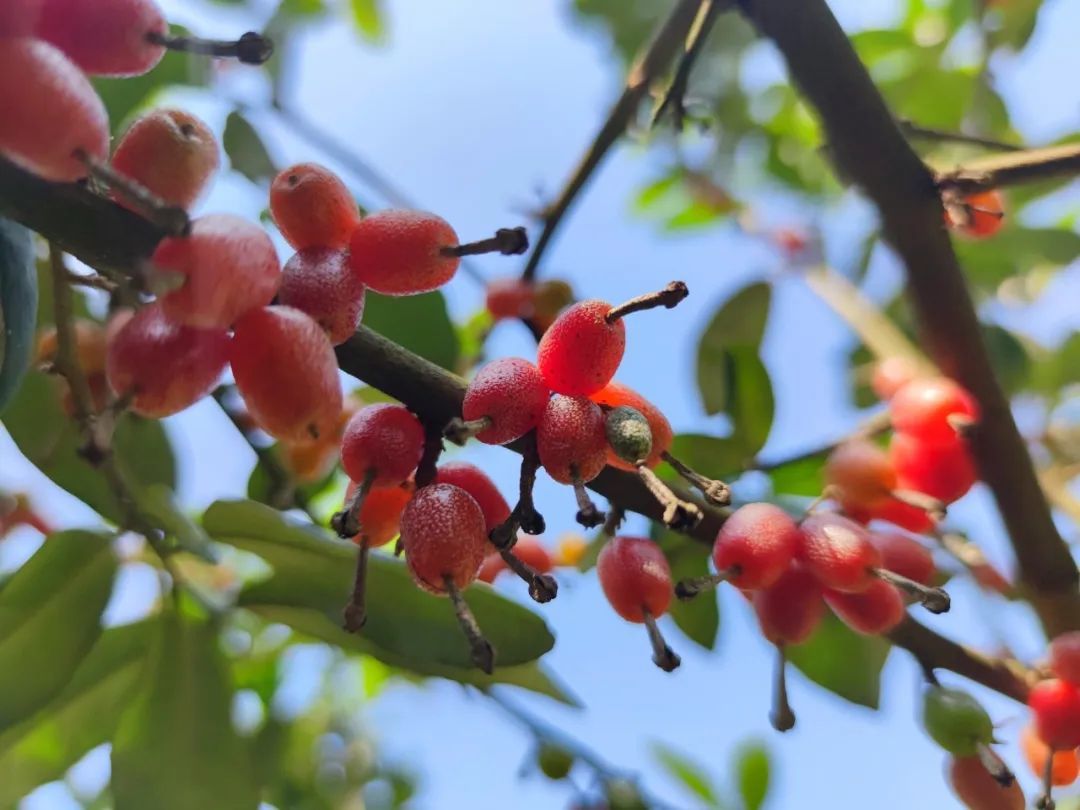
{"x": 1051, "y": 743}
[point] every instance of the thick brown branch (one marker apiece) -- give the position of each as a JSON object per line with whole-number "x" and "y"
{"x": 870, "y": 149}
{"x": 1014, "y": 168}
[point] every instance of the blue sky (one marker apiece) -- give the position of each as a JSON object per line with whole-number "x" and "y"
{"x": 472, "y": 106}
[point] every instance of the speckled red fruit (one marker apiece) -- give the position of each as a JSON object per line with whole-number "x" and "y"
{"x": 286, "y": 372}
{"x": 614, "y": 395}
{"x": 171, "y": 153}
{"x": 905, "y": 556}
{"x": 876, "y": 610}
{"x": 570, "y": 439}
{"x": 895, "y": 512}
{"x": 384, "y": 439}
{"x": 399, "y": 252}
{"x": 527, "y": 549}
{"x": 442, "y": 530}
{"x": 892, "y": 374}
{"x": 511, "y": 393}
{"x": 1065, "y": 657}
{"x": 635, "y": 576}
{"x": 978, "y": 790}
{"x": 755, "y": 545}
{"x": 50, "y": 111}
{"x": 105, "y": 37}
{"x": 312, "y": 207}
{"x": 318, "y": 281}
{"x": 838, "y": 552}
{"x": 1055, "y": 708}
{"x": 1063, "y": 770}
{"x": 944, "y": 470}
{"x": 229, "y": 267}
{"x": 476, "y": 482}
{"x": 164, "y": 366}
{"x": 19, "y": 18}
{"x": 581, "y": 351}
{"x": 509, "y": 298}
{"x": 925, "y": 407}
{"x": 986, "y": 215}
{"x": 380, "y": 513}
{"x": 861, "y": 473}
{"x": 790, "y": 609}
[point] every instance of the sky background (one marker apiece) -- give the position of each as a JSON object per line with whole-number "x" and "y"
{"x": 471, "y": 106}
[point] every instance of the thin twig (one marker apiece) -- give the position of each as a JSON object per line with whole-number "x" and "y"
{"x": 913, "y": 130}
{"x": 1013, "y": 169}
{"x": 675, "y": 95}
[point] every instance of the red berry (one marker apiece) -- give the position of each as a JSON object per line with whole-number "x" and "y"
{"x": 105, "y": 37}
{"x": 930, "y": 409}
{"x": 442, "y": 530}
{"x": 977, "y": 788}
{"x": 985, "y": 215}
{"x": 877, "y": 609}
{"x": 286, "y": 372}
{"x": 861, "y": 473}
{"x": 615, "y": 395}
{"x": 941, "y": 469}
{"x": 229, "y": 268}
{"x": 511, "y": 393}
{"x": 904, "y": 556}
{"x": 380, "y": 513}
{"x": 1065, "y": 657}
{"x": 571, "y": 439}
{"x": 400, "y": 252}
{"x": 1055, "y": 706}
{"x": 19, "y": 18}
{"x": 791, "y": 608}
{"x": 527, "y": 549}
{"x": 51, "y": 112}
{"x": 170, "y": 152}
{"x": 318, "y": 281}
{"x": 896, "y": 512}
{"x": 1065, "y": 767}
{"x": 163, "y": 366}
{"x": 581, "y": 351}
{"x": 755, "y": 545}
{"x": 892, "y": 374}
{"x": 476, "y": 482}
{"x": 635, "y": 577}
{"x": 384, "y": 440}
{"x": 312, "y": 207}
{"x": 838, "y": 552}
{"x": 509, "y": 298}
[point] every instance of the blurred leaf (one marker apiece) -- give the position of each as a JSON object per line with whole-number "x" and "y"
{"x": 302, "y": 8}
{"x": 1058, "y": 368}
{"x": 699, "y": 619}
{"x": 842, "y": 661}
{"x": 50, "y": 617}
{"x": 1013, "y": 23}
{"x": 314, "y": 571}
{"x": 932, "y": 96}
{"x": 175, "y": 748}
{"x": 739, "y": 322}
{"x": 246, "y": 150}
{"x": 51, "y": 441}
{"x": 18, "y": 306}
{"x": 1014, "y": 249}
{"x": 716, "y": 458}
{"x": 803, "y": 476}
{"x": 367, "y": 18}
{"x": 83, "y": 716}
{"x": 419, "y": 323}
{"x": 1009, "y": 357}
{"x": 157, "y": 502}
{"x": 752, "y": 771}
{"x": 688, "y": 774}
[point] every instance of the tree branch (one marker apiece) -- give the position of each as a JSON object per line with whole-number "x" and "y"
{"x": 870, "y": 149}
{"x": 1014, "y": 169}
{"x": 917, "y": 131}
{"x": 673, "y": 99}
{"x": 647, "y": 66}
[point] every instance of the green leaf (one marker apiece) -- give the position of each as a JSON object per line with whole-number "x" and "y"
{"x": 367, "y": 18}
{"x": 752, "y": 772}
{"x": 709, "y": 455}
{"x": 50, "y": 617}
{"x": 246, "y": 150}
{"x": 18, "y": 306}
{"x": 83, "y": 716}
{"x": 803, "y": 476}
{"x": 688, "y": 774}
{"x": 314, "y": 571}
{"x": 51, "y": 441}
{"x": 419, "y": 323}
{"x": 157, "y": 502}
{"x": 842, "y": 661}
{"x": 751, "y": 405}
{"x": 699, "y": 619}
{"x": 990, "y": 261}
{"x": 176, "y": 748}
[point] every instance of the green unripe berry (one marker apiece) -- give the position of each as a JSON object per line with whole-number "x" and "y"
{"x": 555, "y": 762}
{"x": 956, "y": 721}
{"x": 623, "y": 795}
{"x": 628, "y": 434}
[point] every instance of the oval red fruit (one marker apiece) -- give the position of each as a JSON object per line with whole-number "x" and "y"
{"x": 570, "y": 439}
{"x": 580, "y": 353}
{"x": 383, "y": 440}
{"x": 635, "y": 577}
{"x": 511, "y": 393}
{"x": 400, "y": 252}
{"x": 442, "y": 530}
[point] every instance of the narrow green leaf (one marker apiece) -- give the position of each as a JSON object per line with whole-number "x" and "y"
{"x": 367, "y": 18}
{"x": 18, "y": 306}
{"x": 420, "y": 323}
{"x": 246, "y": 150}
{"x": 709, "y": 455}
{"x": 753, "y": 772}
{"x": 688, "y": 774}
{"x": 157, "y": 502}
{"x": 698, "y": 619}
{"x": 802, "y": 476}
{"x": 50, "y": 617}
{"x": 751, "y": 405}
{"x": 175, "y": 748}
{"x": 314, "y": 571}
{"x": 739, "y": 322}
{"x": 842, "y": 661}
{"x": 83, "y": 716}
